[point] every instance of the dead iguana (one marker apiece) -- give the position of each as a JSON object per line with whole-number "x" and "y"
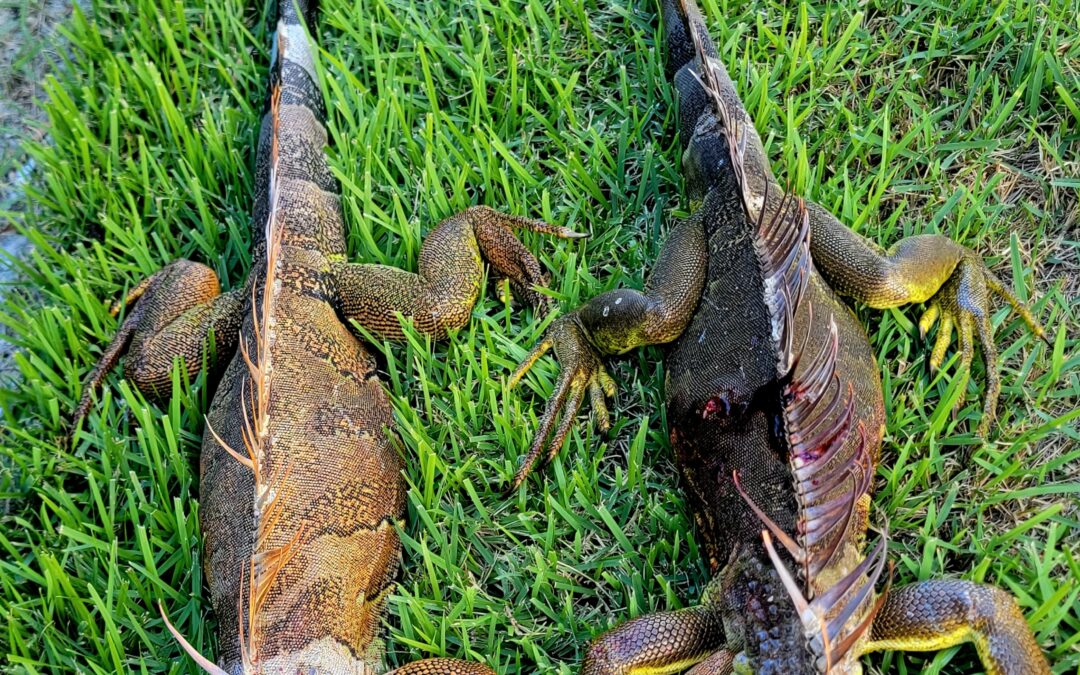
{"x": 775, "y": 410}
{"x": 301, "y": 482}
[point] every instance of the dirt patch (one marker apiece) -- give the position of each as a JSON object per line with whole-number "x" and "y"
{"x": 27, "y": 29}
{"x": 26, "y": 55}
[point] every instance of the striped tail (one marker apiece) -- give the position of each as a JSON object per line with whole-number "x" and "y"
{"x": 292, "y": 58}
{"x": 293, "y": 133}
{"x": 684, "y": 33}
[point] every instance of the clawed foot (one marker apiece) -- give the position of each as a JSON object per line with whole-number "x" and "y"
{"x": 581, "y": 371}
{"x": 963, "y": 302}
{"x": 509, "y": 257}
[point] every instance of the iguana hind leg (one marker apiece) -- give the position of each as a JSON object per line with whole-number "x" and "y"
{"x": 175, "y": 311}
{"x": 442, "y": 667}
{"x": 925, "y": 268}
{"x": 657, "y": 644}
{"x": 933, "y": 615}
{"x": 441, "y": 294}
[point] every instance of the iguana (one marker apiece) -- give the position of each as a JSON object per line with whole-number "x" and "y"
{"x": 300, "y": 483}
{"x": 775, "y": 409}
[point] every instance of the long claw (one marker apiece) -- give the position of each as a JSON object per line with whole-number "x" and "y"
{"x": 967, "y": 353}
{"x": 536, "y": 450}
{"x": 993, "y": 378}
{"x": 539, "y": 350}
{"x": 567, "y": 233}
{"x": 529, "y": 463}
{"x": 577, "y": 395}
{"x": 1033, "y": 324}
{"x": 599, "y": 405}
{"x": 109, "y": 358}
{"x": 545, "y": 227}
{"x": 964, "y": 302}
{"x": 967, "y": 341}
{"x": 582, "y": 372}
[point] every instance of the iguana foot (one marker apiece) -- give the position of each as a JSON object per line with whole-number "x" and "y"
{"x": 930, "y": 268}
{"x": 581, "y": 370}
{"x": 963, "y": 303}
{"x": 614, "y": 323}
{"x": 508, "y": 256}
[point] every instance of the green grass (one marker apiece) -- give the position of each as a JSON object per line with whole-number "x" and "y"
{"x": 960, "y": 117}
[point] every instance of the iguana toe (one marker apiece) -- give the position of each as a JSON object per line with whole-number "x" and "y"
{"x": 599, "y": 405}
{"x": 964, "y": 302}
{"x": 582, "y": 371}
{"x": 941, "y": 343}
{"x": 928, "y": 319}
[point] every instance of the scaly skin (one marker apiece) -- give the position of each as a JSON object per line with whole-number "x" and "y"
{"x": 301, "y": 482}
{"x": 776, "y": 411}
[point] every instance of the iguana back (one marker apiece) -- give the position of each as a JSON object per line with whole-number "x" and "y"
{"x": 301, "y": 487}
{"x": 771, "y": 362}
{"x": 300, "y": 543}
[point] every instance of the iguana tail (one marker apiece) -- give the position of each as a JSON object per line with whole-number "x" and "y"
{"x": 682, "y": 23}
{"x": 294, "y": 11}
{"x": 293, "y": 134}
{"x": 707, "y": 97}
{"x": 292, "y": 58}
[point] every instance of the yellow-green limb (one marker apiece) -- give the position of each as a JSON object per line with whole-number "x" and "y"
{"x": 933, "y": 615}
{"x": 614, "y": 322}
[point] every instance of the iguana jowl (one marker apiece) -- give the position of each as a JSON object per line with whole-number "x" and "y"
{"x": 300, "y": 482}
{"x": 775, "y": 410}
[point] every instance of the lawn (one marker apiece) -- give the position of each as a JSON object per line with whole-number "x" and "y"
{"x": 903, "y": 118}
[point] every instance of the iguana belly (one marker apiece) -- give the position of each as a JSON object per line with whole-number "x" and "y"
{"x": 725, "y": 401}
{"x": 320, "y": 523}
{"x": 726, "y": 408}
{"x": 722, "y": 391}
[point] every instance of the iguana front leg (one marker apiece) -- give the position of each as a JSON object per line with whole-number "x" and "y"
{"x": 614, "y": 323}
{"x": 933, "y": 615}
{"x": 175, "y": 311}
{"x": 926, "y": 268}
{"x": 440, "y": 295}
